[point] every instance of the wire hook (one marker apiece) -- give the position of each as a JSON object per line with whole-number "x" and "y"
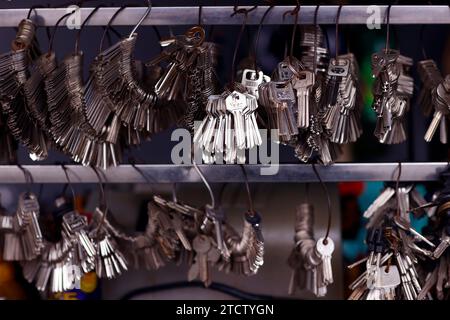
{"x": 147, "y": 12}
{"x": 78, "y": 39}
{"x": 28, "y": 176}
{"x": 245, "y": 12}
{"x": 211, "y": 194}
{"x": 387, "y": 26}
{"x": 327, "y": 194}
{"x": 249, "y": 195}
{"x": 63, "y": 166}
{"x": 338, "y": 15}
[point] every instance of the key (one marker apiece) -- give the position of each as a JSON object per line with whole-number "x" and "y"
{"x": 303, "y": 84}
{"x": 325, "y": 250}
{"x": 236, "y": 103}
{"x": 251, "y": 80}
{"x": 201, "y": 246}
{"x": 177, "y": 224}
{"x": 440, "y": 249}
{"x": 389, "y": 279}
{"x": 337, "y": 69}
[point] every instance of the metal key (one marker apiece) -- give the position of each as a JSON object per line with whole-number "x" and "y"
{"x": 201, "y": 245}
{"x": 302, "y": 83}
{"x": 325, "y": 248}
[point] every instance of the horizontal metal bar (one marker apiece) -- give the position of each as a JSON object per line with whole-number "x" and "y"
{"x": 221, "y": 15}
{"x": 414, "y": 171}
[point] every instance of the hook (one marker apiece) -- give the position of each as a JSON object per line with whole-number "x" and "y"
{"x": 77, "y": 41}
{"x": 397, "y": 185}
{"x": 245, "y": 12}
{"x": 50, "y": 46}
{"x": 337, "y": 31}
{"x": 249, "y": 195}
{"x": 293, "y": 12}
{"x": 174, "y": 193}
{"x": 147, "y": 12}
{"x": 33, "y": 8}
{"x": 28, "y": 176}
{"x": 316, "y": 13}
{"x": 108, "y": 26}
{"x": 211, "y": 194}
{"x": 142, "y": 173}
{"x": 103, "y": 206}
{"x": 200, "y": 8}
{"x": 101, "y": 188}
{"x": 63, "y": 166}
{"x": 387, "y": 27}
{"x": 327, "y": 194}
{"x": 258, "y": 33}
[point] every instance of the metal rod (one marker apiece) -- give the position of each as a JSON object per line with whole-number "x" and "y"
{"x": 166, "y": 173}
{"x": 220, "y": 15}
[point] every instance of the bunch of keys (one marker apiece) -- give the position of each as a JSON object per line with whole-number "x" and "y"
{"x": 229, "y": 128}
{"x": 310, "y": 260}
{"x": 431, "y": 77}
{"x": 390, "y": 272}
{"x": 110, "y": 261}
{"x": 343, "y": 118}
{"x": 441, "y": 102}
{"x": 15, "y": 73}
{"x": 392, "y": 91}
{"x": 279, "y": 100}
{"x": 23, "y": 241}
{"x": 247, "y": 249}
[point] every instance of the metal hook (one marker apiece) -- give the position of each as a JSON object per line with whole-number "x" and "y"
{"x": 245, "y": 12}
{"x": 293, "y": 12}
{"x": 103, "y": 203}
{"x": 101, "y": 188}
{"x": 249, "y": 195}
{"x": 147, "y": 12}
{"x": 142, "y": 173}
{"x": 200, "y": 9}
{"x": 33, "y": 8}
{"x": 108, "y": 26}
{"x": 387, "y": 27}
{"x": 78, "y": 39}
{"x": 63, "y": 166}
{"x": 316, "y": 13}
{"x": 28, "y": 176}
{"x": 255, "y": 49}
{"x": 397, "y": 185}
{"x": 338, "y": 15}
{"x": 211, "y": 194}
{"x": 327, "y": 194}
{"x": 50, "y": 46}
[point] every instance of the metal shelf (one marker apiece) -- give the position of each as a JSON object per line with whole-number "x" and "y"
{"x": 293, "y": 173}
{"x": 221, "y": 15}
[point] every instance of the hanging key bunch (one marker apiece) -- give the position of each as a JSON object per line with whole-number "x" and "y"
{"x": 343, "y": 115}
{"x": 310, "y": 260}
{"x": 394, "y": 248}
{"x": 435, "y": 269}
{"x": 188, "y": 79}
{"x": 15, "y": 95}
{"x": 392, "y": 91}
{"x": 230, "y": 127}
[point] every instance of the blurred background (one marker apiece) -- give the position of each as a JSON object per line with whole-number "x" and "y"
{"x": 276, "y": 202}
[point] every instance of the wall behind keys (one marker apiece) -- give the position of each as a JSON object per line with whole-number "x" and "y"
{"x": 275, "y": 202}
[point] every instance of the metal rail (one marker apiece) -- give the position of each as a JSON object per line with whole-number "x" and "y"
{"x": 221, "y": 15}
{"x": 291, "y": 173}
